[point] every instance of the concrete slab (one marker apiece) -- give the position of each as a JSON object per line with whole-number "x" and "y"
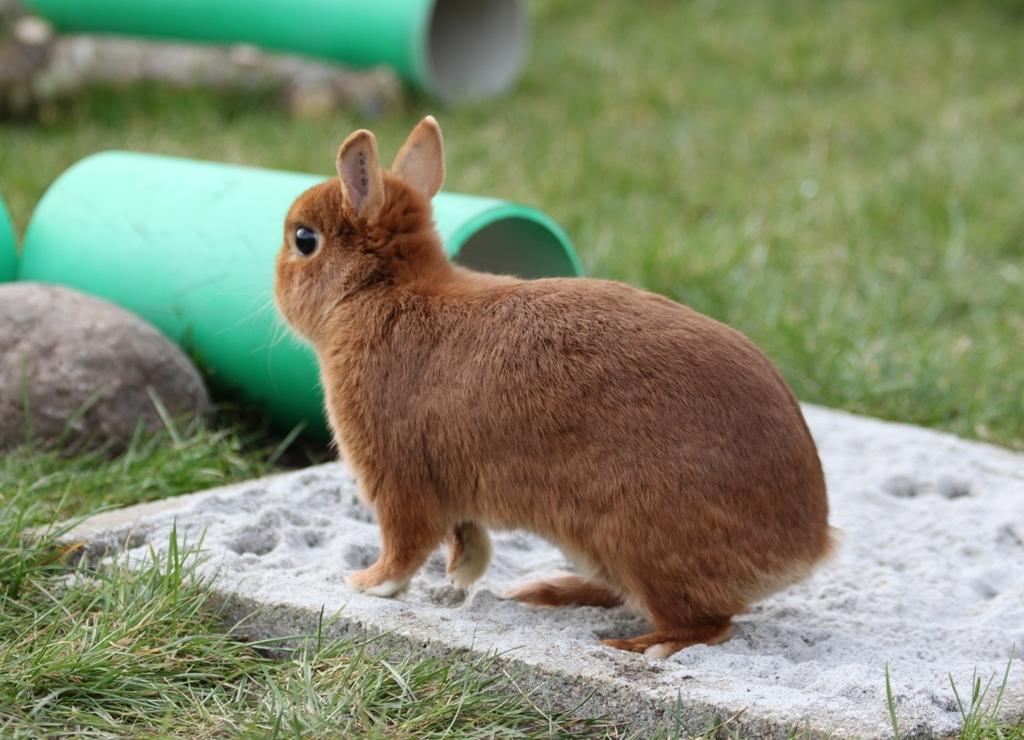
{"x": 929, "y": 581}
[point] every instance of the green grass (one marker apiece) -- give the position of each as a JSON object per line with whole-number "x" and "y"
{"x": 840, "y": 180}
{"x": 980, "y": 716}
{"x": 166, "y": 464}
{"x": 114, "y": 651}
{"x": 979, "y": 711}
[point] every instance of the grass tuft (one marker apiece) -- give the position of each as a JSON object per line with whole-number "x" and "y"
{"x": 163, "y": 464}
{"x": 890, "y": 701}
{"x": 108, "y": 649}
{"x": 980, "y": 716}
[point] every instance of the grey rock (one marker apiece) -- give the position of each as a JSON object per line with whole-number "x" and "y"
{"x": 86, "y": 370}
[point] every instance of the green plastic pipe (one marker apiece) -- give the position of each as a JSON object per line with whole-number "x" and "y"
{"x": 8, "y": 250}
{"x": 190, "y": 246}
{"x": 450, "y": 48}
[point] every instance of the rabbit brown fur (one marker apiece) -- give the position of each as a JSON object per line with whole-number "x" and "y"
{"x": 660, "y": 449}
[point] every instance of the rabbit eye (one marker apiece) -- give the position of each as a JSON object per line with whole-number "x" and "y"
{"x": 306, "y": 241}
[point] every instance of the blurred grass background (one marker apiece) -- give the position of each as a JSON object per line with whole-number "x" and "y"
{"x": 843, "y": 181}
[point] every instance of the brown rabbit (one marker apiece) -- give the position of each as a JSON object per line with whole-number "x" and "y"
{"x": 659, "y": 449}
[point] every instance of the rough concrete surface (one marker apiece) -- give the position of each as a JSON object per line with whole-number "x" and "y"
{"x": 929, "y": 580}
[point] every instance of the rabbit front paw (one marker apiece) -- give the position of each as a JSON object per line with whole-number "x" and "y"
{"x": 371, "y": 582}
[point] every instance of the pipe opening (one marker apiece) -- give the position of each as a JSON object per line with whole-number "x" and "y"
{"x": 475, "y": 47}
{"x": 516, "y": 246}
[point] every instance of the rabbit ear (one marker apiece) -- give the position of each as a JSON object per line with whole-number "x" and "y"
{"x": 420, "y": 161}
{"x": 361, "y": 183}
